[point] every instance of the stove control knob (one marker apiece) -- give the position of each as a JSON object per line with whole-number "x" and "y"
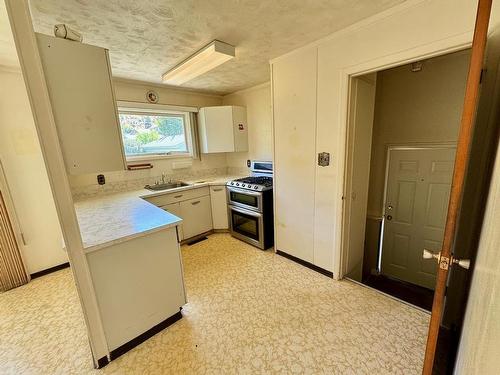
{"x": 255, "y": 187}
{"x": 232, "y": 183}
{"x": 237, "y": 184}
{"x": 242, "y": 185}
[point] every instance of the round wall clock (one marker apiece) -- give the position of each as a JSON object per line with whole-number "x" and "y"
{"x": 152, "y": 97}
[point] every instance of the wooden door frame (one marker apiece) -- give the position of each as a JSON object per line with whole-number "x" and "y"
{"x": 402, "y": 147}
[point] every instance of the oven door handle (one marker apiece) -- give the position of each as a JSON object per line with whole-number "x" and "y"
{"x": 244, "y": 191}
{"x": 246, "y": 212}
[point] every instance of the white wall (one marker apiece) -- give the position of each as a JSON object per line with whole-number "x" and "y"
{"x": 135, "y": 91}
{"x": 415, "y": 29}
{"x": 257, "y": 101}
{"x": 27, "y": 176}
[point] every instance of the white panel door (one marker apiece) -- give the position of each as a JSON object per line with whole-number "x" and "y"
{"x": 294, "y": 106}
{"x": 416, "y": 204}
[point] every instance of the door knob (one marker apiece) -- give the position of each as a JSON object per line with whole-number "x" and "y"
{"x": 427, "y": 254}
{"x": 464, "y": 263}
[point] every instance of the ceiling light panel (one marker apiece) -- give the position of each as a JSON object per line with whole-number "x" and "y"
{"x": 208, "y": 58}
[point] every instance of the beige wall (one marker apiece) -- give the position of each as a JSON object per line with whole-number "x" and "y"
{"x": 421, "y": 107}
{"x": 27, "y": 177}
{"x": 257, "y": 101}
{"x": 135, "y": 91}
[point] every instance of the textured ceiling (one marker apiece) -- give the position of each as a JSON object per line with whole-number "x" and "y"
{"x": 146, "y": 38}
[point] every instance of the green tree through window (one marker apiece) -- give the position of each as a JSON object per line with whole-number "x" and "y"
{"x": 153, "y": 133}
{"x": 170, "y": 126}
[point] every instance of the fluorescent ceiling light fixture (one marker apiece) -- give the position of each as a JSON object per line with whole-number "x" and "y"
{"x": 209, "y": 57}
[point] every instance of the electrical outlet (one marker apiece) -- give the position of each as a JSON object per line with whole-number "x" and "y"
{"x": 101, "y": 180}
{"x": 249, "y": 163}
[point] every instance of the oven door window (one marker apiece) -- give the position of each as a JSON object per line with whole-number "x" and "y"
{"x": 246, "y": 225}
{"x": 246, "y": 199}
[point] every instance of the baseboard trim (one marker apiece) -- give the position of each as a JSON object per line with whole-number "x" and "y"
{"x": 143, "y": 337}
{"x": 306, "y": 264}
{"x": 49, "y": 270}
{"x": 102, "y": 362}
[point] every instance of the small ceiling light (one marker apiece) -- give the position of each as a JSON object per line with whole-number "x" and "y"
{"x": 209, "y": 57}
{"x": 417, "y": 66}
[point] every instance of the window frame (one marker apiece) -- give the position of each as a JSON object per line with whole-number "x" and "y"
{"x": 134, "y": 108}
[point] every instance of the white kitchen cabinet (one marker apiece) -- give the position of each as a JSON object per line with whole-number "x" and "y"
{"x": 138, "y": 284}
{"x": 218, "y": 199}
{"x": 175, "y": 209}
{"x": 79, "y": 82}
{"x": 223, "y": 129}
{"x": 196, "y": 214}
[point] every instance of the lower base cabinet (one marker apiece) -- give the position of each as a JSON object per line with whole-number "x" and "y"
{"x": 193, "y": 206}
{"x": 219, "y": 206}
{"x": 175, "y": 209}
{"x": 196, "y": 214}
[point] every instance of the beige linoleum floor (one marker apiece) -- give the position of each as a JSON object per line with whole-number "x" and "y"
{"x": 249, "y": 312}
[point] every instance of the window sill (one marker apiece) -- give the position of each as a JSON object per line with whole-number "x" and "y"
{"x": 133, "y": 159}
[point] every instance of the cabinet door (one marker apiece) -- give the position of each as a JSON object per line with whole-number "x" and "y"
{"x": 219, "y": 206}
{"x": 78, "y": 79}
{"x": 175, "y": 209}
{"x": 197, "y": 216}
{"x": 216, "y": 129}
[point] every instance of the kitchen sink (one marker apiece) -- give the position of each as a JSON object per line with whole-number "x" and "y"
{"x": 166, "y": 186}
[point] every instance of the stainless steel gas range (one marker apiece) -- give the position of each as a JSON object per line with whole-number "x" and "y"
{"x": 250, "y": 206}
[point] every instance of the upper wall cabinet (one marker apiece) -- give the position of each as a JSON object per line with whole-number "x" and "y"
{"x": 78, "y": 78}
{"x": 223, "y": 129}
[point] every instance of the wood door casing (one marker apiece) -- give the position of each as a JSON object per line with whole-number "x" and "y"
{"x": 417, "y": 193}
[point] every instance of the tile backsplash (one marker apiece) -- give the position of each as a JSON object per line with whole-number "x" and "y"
{"x": 116, "y": 184}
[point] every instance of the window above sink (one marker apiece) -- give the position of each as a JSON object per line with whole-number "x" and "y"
{"x": 155, "y": 131}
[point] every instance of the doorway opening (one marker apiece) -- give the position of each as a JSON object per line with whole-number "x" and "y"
{"x": 403, "y": 128}
{"x": 372, "y": 240}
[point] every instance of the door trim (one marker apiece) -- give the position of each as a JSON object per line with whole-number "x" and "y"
{"x": 438, "y": 48}
{"x": 401, "y": 147}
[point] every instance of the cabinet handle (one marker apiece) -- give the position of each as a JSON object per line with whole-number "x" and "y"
{"x": 178, "y": 196}
{"x": 193, "y": 203}
{"x": 218, "y": 189}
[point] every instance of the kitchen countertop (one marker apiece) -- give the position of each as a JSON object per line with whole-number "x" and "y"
{"x": 114, "y": 218}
